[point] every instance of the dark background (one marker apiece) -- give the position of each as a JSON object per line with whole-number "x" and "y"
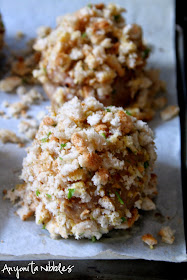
{"x": 134, "y": 269}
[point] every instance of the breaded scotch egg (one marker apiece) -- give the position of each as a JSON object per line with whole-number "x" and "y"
{"x": 88, "y": 171}
{"x": 93, "y": 52}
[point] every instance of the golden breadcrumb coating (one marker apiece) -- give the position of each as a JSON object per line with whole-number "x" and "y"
{"x": 88, "y": 170}
{"x": 93, "y": 52}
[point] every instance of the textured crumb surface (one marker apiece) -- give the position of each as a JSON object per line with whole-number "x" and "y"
{"x": 94, "y": 52}
{"x": 87, "y": 171}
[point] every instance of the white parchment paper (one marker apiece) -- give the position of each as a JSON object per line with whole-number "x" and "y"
{"x": 26, "y": 240}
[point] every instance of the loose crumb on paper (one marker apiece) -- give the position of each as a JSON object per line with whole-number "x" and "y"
{"x": 9, "y": 136}
{"x": 28, "y": 128}
{"x": 167, "y": 235}
{"x": 149, "y": 240}
{"x": 8, "y": 84}
{"x": 169, "y": 112}
{"x": 27, "y": 98}
{"x": 19, "y": 35}
{"x": 148, "y": 204}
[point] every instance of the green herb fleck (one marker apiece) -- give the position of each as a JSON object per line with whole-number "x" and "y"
{"x": 37, "y": 192}
{"x": 60, "y": 158}
{"x": 44, "y": 226}
{"x": 70, "y": 193}
{"x": 128, "y": 113}
{"x": 24, "y": 81}
{"x": 93, "y": 239}
{"x": 89, "y": 6}
{"x": 146, "y": 164}
{"x": 62, "y": 146}
{"x": 123, "y": 219}
{"x": 108, "y": 110}
{"x": 55, "y": 124}
{"x": 48, "y": 195}
{"x": 13, "y": 190}
{"x": 119, "y": 198}
{"x": 146, "y": 53}
{"x": 117, "y": 17}
{"x": 104, "y": 135}
{"x": 46, "y": 138}
{"x": 45, "y": 70}
{"x": 84, "y": 35}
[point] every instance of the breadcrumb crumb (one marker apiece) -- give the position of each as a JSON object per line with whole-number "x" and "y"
{"x": 167, "y": 235}
{"x": 9, "y": 136}
{"x": 169, "y": 112}
{"x": 149, "y": 240}
{"x": 28, "y": 128}
{"x": 8, "y": 84}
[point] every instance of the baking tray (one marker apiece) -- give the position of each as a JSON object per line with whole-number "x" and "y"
{"x": 134, "y": 269}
